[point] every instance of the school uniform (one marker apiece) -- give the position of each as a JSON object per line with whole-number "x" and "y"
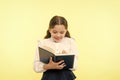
{"x": 66, "y": 44}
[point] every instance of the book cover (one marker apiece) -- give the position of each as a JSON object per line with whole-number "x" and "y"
{"x": 45, "y": 56}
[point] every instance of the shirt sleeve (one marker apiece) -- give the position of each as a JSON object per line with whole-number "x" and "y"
{"x": 38, "y": 65}
{"x": 74, "y": 50}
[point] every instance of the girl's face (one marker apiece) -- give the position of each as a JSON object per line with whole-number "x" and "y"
{"x": 58, "y": 32}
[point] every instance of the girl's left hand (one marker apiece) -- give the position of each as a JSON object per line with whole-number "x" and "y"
{"x": 54, "y": 65}
{"x": 64, "y": 52}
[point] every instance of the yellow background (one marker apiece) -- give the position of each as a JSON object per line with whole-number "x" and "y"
{"x": 95, "y": 24}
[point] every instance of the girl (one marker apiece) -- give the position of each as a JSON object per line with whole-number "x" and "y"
{"x": 57, "y": 38}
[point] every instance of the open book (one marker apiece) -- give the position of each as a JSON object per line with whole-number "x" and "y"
{"x": 45, "y": 56}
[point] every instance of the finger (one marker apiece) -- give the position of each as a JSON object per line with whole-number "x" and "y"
{"x": 63, "y": 64}
{"x": 50, "y": 60}
{"x": 60, "y": 62}
{"x": 63, "y": 52}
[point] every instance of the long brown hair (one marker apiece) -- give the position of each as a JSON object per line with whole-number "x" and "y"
{"x": 57, "y": 20}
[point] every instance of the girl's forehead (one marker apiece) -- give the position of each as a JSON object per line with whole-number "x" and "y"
{"x": 59, "y": 27}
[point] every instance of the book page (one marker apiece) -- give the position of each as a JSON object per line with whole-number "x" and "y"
{"x": 48, "y": 49}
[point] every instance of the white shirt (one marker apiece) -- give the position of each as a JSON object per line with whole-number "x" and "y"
{"x": 67, "y": 44}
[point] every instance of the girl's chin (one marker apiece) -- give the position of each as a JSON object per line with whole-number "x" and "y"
{"x": 57, "y": 40}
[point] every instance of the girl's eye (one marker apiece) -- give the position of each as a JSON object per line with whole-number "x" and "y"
{"x": 61, "y": 32}
{"x": 55, "y": 32}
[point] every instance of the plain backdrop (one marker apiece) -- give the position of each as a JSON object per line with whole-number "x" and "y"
{"x": 94, "y": 24}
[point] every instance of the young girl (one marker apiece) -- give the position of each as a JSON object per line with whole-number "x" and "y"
{"x": 57, "y": 38}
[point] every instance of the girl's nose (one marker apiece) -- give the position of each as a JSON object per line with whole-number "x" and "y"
{"x": 58, "y": 34}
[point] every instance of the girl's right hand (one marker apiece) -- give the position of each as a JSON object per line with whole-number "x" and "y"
{"x": 54, "y": 65}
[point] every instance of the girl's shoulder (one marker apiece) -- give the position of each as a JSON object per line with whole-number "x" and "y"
{"x": 69, "y": 39}
{"x": 42, "y": 41}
